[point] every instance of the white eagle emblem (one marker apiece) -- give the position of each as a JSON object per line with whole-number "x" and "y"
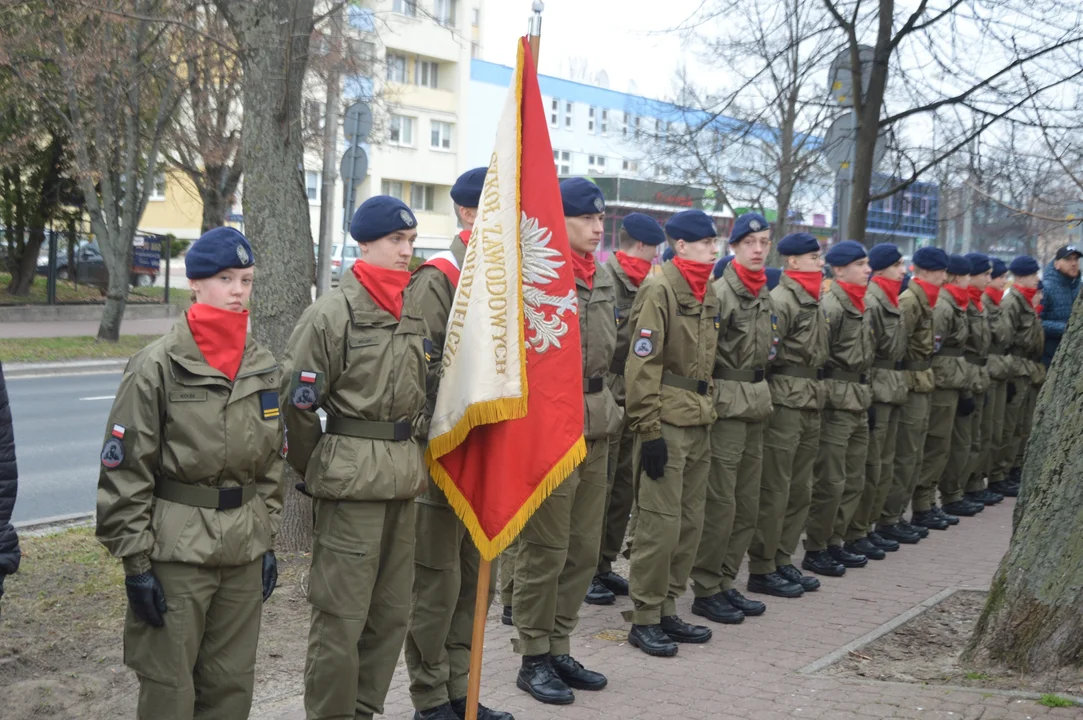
{"x": 242, "y": 254}
{"x": 754, "y": 225}
{"x": 540, "y": 265}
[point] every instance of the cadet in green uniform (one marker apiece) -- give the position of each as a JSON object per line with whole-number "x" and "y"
{"x": 190, "y": 495}
{"x": 916, "y": 303}
{"x": 446, "y": 562}
{"x": 742, "y": 403}
{"x": 640, "y": 236}
{"x": 359, "y": 354}
{"x": 670, "y": 410}
{"x": 1037, "y": 378}
{"x": 952, "y": 395}
{"x": 558, "y": 548}
{"x": 844, "y": 432}
{"x": 1001, "y": 371}
{"x": 792, "y": 435}
{"x": 888, "y": 398}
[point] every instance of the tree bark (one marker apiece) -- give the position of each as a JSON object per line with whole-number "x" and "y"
{"x": 216, "y": 193}
{"x": 1033, "y": 617}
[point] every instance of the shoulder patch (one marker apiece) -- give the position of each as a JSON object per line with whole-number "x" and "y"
{"x": 268, "y": 401}
{"x": 113, "y": 450}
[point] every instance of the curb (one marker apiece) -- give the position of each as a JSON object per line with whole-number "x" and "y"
{"x": 54, "y": 524}
{"x": 74, "y": 367}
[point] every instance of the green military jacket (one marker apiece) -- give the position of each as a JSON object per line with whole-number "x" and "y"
{"x": 674, "y": 335}
{"x": 886, "y": 378}
{"x": 920, "y": 340}
{"x": 356, "y": 361}
{"x": 1001, "y": 364}
{"x": 802, "y": 333}
{"x": 177, "y": 420}
{"x": 977, "y": 346}
{"x": 602, "y": 416}
{"x": 625, "y": 292}
{"x": 746, "y": 342}
{"x": 1026, "y": 337}
{"x": 851, "y": 352}
{"x": 951, "y": 371}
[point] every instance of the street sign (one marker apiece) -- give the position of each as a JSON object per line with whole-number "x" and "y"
{"x": 841, "y": 75}
{"x": 355, "y": 164}
{"x": 357, "y": 123}
{"x": 839, "y": 142}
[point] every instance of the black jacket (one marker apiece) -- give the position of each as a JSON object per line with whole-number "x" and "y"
{"x": 9, "y": 483}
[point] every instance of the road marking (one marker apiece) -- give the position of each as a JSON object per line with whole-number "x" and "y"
{"x": 99, "y": 397}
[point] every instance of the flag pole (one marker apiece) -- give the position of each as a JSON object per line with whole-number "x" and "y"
{"x": 534, "y": 30}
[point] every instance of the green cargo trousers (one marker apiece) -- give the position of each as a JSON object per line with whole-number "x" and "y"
{"x": 359, "y": 588}
{"x": 984, "y": 450}
{"x": 618, "y": 497}
{"x": 909, "y": 452}
{"x": 879, "y": 463}
{"x": 507, "y": 571}
{"x": 558, "y": 555}
{"x": 1025, "y": 424}
{"x": 669, "y": 524}
{"x": 439, "y": 634}
{"x": 953, "y": 479}
{"x": 839, "y": 477}
{"x": 937, "y": 447}
{"x": 732, "y": 504}
{"x": 202, "y": 663}
{"x": 790, "y": 442}
{"x": 1008, "y": 448}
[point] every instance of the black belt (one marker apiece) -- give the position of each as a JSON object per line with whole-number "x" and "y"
{"x": 799, "y": 371}
{"x": 833, "y": 374}
{"x": 950, "y": 352}
{"x": 749, "y": 376}
{"x": 593, "y": 385}
{"x": 370, "y": 429}
{"x": 700, "y": 387}
{"x": 976, "y": 360}
{"x": 889, "y": 364}
{"x": 916, "y": 365}
{"x": 228, "y": 498}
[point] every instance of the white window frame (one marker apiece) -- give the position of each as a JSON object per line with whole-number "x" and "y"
{"x": 157, "y": 187}
{"x": 603, "y": 122}
{"x": 313, "y": 185}
{"x": 631, "y": 166}
{"x": 443, "y": 133}
{"x": 396, "y": 68}
{"x": 591, "y": 111}
{"x": 405, "y": 131}
{"x": 427, "y": 73}
{"x": 596, "y": 164}
{"x": 554, "y": 113}
{"x": 563, "y": 160}
{"x": 569, "y": 114}
{"x": 475, "y": 17}
{"x": 404, "y": 7}
{"x": 422, "y": 197}
{"x": 394, "y": 188}
{"x": 444, "y": 11}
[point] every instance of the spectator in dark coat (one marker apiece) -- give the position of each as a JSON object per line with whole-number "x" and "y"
{"x": 1061, "y": 280}
{"x": 9, "y": 482}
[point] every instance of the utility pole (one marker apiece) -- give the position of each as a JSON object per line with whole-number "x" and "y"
{"x": 330, "y": 154}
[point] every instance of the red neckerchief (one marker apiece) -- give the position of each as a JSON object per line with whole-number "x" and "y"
{"x": 583, "y": 268}
{"x": 385, "y": 286}
{"x": 960, "y": 295}
{"x": 995, "y": 295}
{"x": 696, "y": 274}
{"x": 220, "y": 335}
{"x": 813, "y": 282}
{"x": 856, "y": 293}
{"x": 753, "y": 279}
{"x": 1028, "y": 294}
{"x": 975, "y": 297}
{"x": 1038, "y": 309}
{"x": 464, "y": 235}
{"x": 932, "y": 292}
{"x": 891, "y": 288}
{"x": 635, "y": 268}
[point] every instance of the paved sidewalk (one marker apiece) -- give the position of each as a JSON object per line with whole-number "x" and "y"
{"x": 82, "y": 328}
{"x": 749, "y": 671}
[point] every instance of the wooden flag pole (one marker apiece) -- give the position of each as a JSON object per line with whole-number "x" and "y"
{"x": 477, "y": 640}
{"x": 534, "y": 31}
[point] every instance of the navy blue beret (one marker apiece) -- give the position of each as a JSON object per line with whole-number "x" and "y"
{"x": 958, "y": 265}
{"x": 466, "y": 192}
{"x": 999, "y": 268}
{"x": 720, "y": 266}
{"x": 931, "y": 258}
{"x": 979, "y": 263}
{"x": 798, "y": 244}
{"x": 691, "y": 226}
{"x": 746, "y": 225}
{"x": 380, "y": 216}
{"x": 1024, "y": 265}
{"x": 774, "y": 275}
{"x": 883, "y": 256}
{"x": 843, "y": 253}
{"x": 216, "y": 250}
{"x": 644, "y": 228}
{"x": 581, "y": 197}
{"x": 668, "y": 254}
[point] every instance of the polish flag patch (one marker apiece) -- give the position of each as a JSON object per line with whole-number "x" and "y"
{"x": 645, "y": 333}
{"x": 308, "y": 377}
{"x": 118, "y": 432}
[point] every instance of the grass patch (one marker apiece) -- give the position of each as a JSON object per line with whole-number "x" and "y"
{"x": 68, "y": 292}
{"x": 1055, "y": 701}
{"x": 15, "y": 350}
{"x": 977, "y": 676}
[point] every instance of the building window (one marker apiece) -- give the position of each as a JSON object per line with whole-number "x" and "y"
{"x": 401, "y": 130}
{"x": 360, "y": 18}
{"x": 422, "y": 197}
{"x": 630, "y": 166}
{"x": 157, "y": 188}
{"x": 312, "y": 185}
{"x": 425, "y": 73}
{"x": 392, "y": 188}
{"x": 604, "y": 122}
{"x": 444, "y": 12}
{"x": 596, "y": 164}
{"x": 396, "y": 68}
{"x": 313, "y": 116}
{"x": 661, "y": 128}
{"x": 567, "y": 115}
{"x": 363, "y": 50}
{"x": 563, "y": 159}
{"x": 405, "y": 7}
{"x": 628, "y": 120}
{"x": 554, "y": 113}
{"x": 590, "y": 119}
{"x": 475, "y": 50}
{"x": 475, "y": 17}
{"x": 441, "y": 135}
{"x": 357, "y": 87}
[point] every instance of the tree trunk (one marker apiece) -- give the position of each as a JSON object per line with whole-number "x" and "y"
{"x": 26, "y": 265}
{"x": 117, "y": 254}
{"x": 216, "y": 204}
{"x": 1033, "y": 618}
{"x": 273, "y": 37}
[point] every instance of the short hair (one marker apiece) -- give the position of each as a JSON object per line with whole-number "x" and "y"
{"x": 625, "y": 240}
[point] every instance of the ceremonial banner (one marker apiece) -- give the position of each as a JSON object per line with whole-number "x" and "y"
{"x": 508, "y": 423}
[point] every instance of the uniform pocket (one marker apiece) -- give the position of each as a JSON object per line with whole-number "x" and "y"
{"x": 158, "y": 653}
{"x": 345, "y": 557}
{"x": 168, "y": 521}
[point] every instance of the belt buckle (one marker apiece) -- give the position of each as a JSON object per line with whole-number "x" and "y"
{"x": 820, "y": 374}
{"x": 403, "y": 431}
{"x": 900, "y": 364}
{"x": 864, "y": 379}
{"x": 702, "y": 387}
{"x": 230, "y": 498}
{"x": 757, "y": 375}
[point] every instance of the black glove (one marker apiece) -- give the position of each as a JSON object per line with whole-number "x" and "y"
{"x": 146, "y": 598}
{"x": 654, "y": 455}
{"x": 966, "y": 406}
{"x": 270, "y": 573}
{"x": 872, "y": 419}
{"x": 301, "y": 488}
{"x": 1011, "y": 391}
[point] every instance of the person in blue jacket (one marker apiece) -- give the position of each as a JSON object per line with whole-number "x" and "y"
{"x": 1061, "y": 280}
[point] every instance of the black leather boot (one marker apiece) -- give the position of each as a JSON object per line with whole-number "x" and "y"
{"x": 505, "y": 615}
{"x": 484, "y": 713}
{"x": 885, "y": 544}
{"x": 599, "y": 594}
{"x": 652, "y": 640}
{"x": 807, "y": 582}
{"x": 575, "y": 675}
{"x": 821, "y": 563}
{"x": 864, "y": 546}
{"x": 616, "y": 584}
{"x": 774, "y": 584}
{"x": 680, "y": 631}
{"x": 538, "y": 677}
{"x": 717, "y": 609}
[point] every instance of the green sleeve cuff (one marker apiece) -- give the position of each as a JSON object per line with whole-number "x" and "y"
{"x": 136, "y": 564}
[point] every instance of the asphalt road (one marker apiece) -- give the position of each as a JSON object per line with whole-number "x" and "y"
{"x": 59, "y": 430}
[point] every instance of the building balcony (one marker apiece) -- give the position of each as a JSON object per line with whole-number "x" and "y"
{"x": 422, "y": 36}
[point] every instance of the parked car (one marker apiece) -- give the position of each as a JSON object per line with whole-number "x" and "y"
{"x": 90, "y": 265}
{"x": 342, "y": 259}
